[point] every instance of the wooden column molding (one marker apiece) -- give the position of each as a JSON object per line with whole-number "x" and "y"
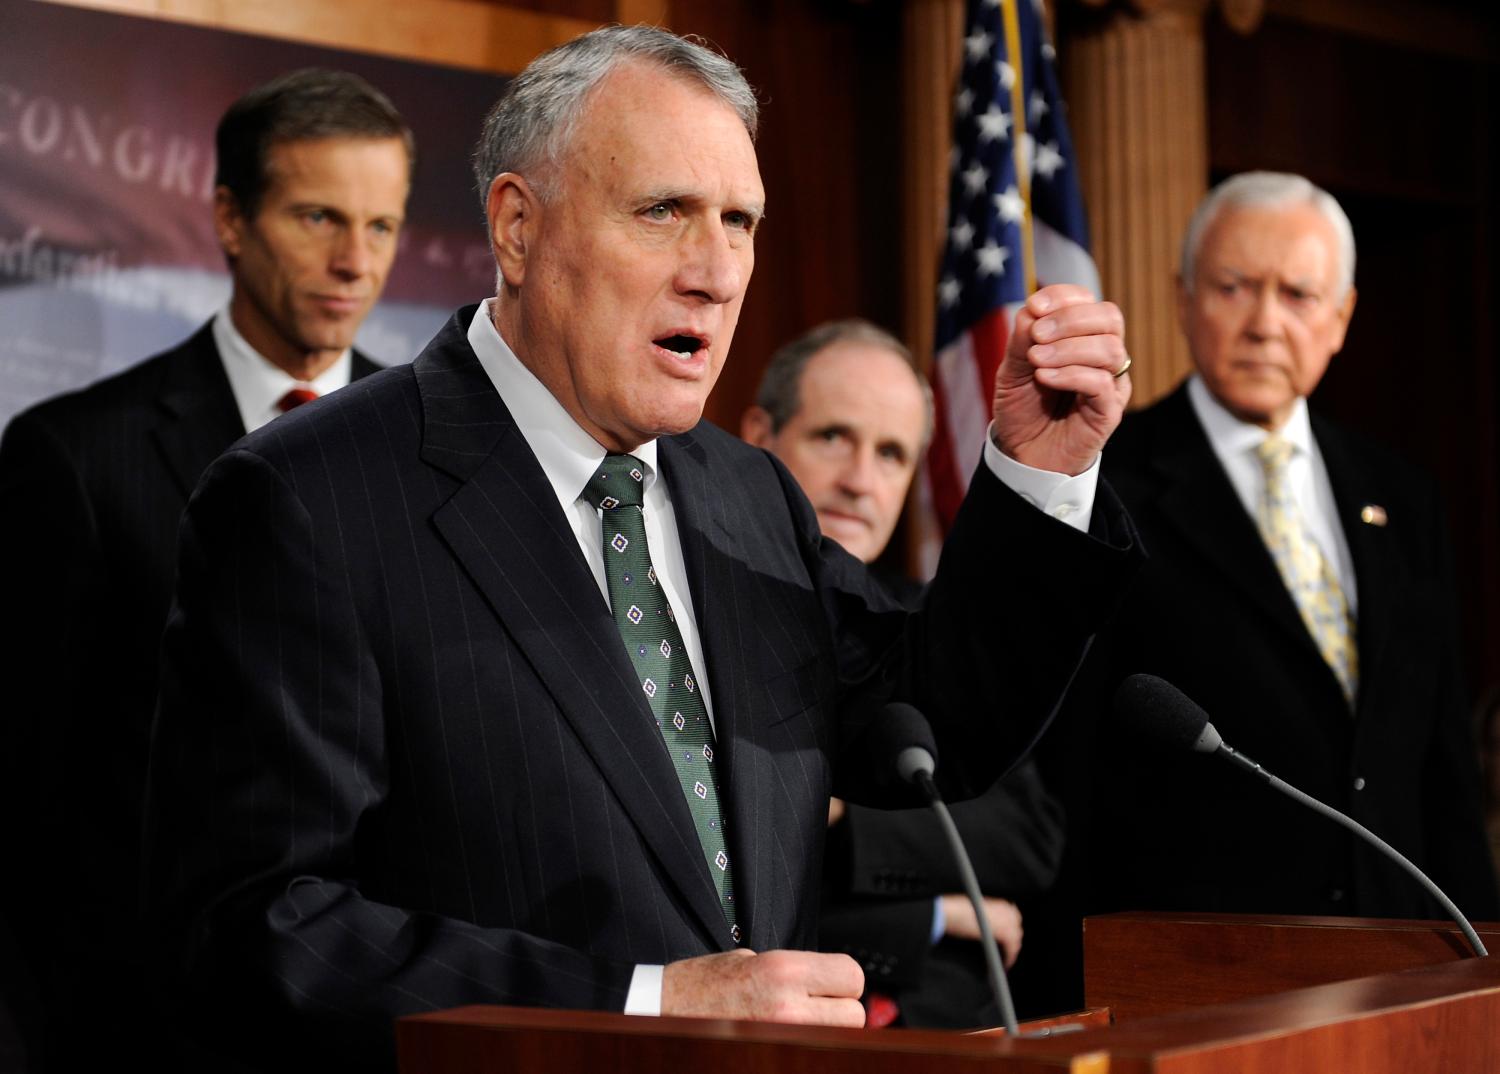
{"x": 485, "y": 35}
{"x": 1134, "y": 82}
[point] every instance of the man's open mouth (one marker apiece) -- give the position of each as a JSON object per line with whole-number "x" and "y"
{"x": 684, "y": 346}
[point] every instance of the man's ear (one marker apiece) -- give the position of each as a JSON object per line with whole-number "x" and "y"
{"x": 513, "y": 211}
{"x": 755, "y": 427}
{"x": 229, "y": 221}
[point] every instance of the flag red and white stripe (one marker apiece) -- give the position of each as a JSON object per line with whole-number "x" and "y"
{"x": 1015, "y": 222}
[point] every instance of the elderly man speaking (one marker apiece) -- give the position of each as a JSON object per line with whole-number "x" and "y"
{"x": 504, "y": 678}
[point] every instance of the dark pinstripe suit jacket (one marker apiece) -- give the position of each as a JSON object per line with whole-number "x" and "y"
{"x": 92, "y": 486}
{"x": 1154, "y": 830}
{"x": 1212, "y": 615}
{"x": 883, "y": 868}
{"x": 401, "y": 761}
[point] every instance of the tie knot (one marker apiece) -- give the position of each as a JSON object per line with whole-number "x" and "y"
{"x": 1274, "y": 453}
{"x": 294, "y": 398}
{"x": 620, "y": 481}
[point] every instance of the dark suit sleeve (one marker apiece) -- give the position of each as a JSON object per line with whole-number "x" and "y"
{"x": 1013, "y": 832}
{"x": 49, "y": 556}
{"x": 46, "y": 542}
{"x": 997, "y": 638}
{"x": 885, "y": 867}
{"x": 889, "y": 938}
{"x": 269, "y": 750}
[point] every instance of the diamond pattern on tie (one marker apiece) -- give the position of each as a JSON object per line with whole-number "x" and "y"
{"x": 654, "y": 645}
{"x": 1308, "y": 575}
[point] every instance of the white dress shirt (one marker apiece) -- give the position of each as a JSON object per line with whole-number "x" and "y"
{"x": 1235, "y": 443}
{"x": 569, "y": 457}
{"x": 1067, "y": 499}
{"x": 257, "y": 384}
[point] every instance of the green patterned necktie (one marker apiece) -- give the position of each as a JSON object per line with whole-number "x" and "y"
{"x": 1307, "y": 573}
{"x": 654, "y": 644}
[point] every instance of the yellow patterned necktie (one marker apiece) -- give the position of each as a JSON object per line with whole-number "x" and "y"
{"x": 1305, "y": 570}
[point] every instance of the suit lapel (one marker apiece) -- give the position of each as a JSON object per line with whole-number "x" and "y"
{"x": 711, "y": 548}
{"x": 198, "y": 415}
{"x": 506, "y": 529}
{"x": 360, "y": 366}
{"x": 1375, "y": 566}
{"x": 1200, "y": 503}
{"x": 198, "y": 418}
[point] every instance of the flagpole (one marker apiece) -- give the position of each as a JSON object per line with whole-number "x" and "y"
{"x": 1012, "y": 21}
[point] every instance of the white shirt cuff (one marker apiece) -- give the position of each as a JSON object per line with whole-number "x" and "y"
{"x": 1067, "y": 499}
{"x": 644, "y": 996}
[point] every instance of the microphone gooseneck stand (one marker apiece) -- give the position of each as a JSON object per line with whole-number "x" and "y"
{"x": 998, "y": 983}
{"x": 1231, "y": 754}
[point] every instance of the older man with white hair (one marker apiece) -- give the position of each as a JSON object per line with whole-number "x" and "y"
{"x": 1299, "y": 589}
{"x": 507, "y": 679}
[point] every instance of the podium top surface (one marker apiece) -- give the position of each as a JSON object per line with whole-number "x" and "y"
{"x": 1444, "y": 1016}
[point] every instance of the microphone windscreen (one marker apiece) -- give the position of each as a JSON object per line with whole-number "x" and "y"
{"x": 1161, "y": 712}
{"x": 897, "y": 727}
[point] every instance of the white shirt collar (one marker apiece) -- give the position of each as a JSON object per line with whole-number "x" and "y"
{"x": 568, "y": 455}
{"x": 258, "y": 385}
{"x": 1230, "y": 436}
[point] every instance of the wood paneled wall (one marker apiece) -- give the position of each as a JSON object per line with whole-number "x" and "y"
{"x": 831, "y": 158}
{"x": 461, "y": 33}
{"x": 1135, "y": 96}
{"x": 1391, "y": 104}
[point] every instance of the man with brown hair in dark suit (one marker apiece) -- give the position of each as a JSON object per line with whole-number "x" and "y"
{"x": 846, "y": 410}
{"x": 313, "y": 173}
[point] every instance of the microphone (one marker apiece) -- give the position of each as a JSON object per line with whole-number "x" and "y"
{"x": 1167, "y": 716}
{"x": 900, "y": 731}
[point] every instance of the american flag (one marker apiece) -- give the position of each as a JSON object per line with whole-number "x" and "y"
{"x": 1015, "y": 222}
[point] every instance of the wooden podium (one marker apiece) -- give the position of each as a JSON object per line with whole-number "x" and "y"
{"x": 1141, "y": 964}
{"x": 1189, "y": 994}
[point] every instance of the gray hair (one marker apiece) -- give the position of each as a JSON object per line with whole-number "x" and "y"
{"x": 780, "y": 386}
{"x": 1269, "y": 190}
{"x": 529, "y": 128}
